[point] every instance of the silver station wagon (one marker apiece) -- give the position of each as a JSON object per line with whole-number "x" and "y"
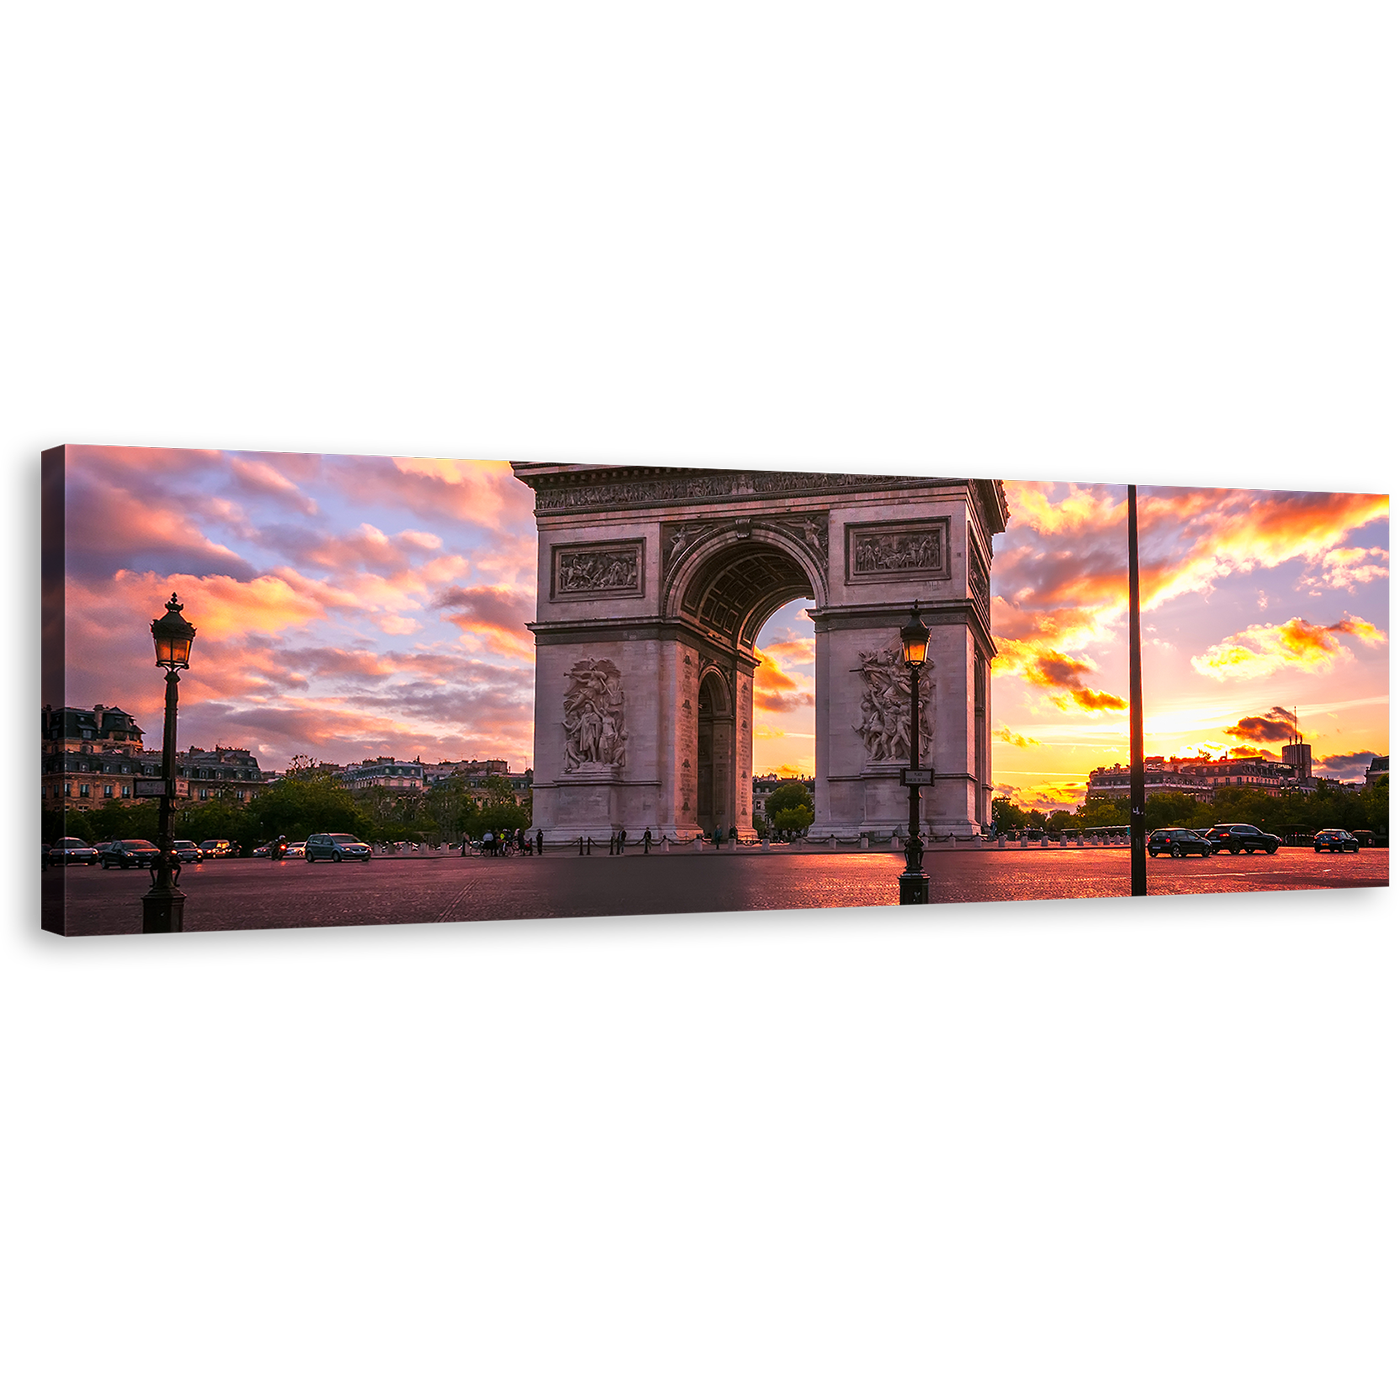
{"x": 335, "y": 845}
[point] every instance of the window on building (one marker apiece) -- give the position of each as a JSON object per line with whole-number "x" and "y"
{"x": 68, "y": 787}
{"x": 126, "y": 789}
{"x": 85, "y": 791}
{"x": 107, "y": 789}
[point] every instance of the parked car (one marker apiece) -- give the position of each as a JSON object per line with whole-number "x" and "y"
{"x": 188, "y": 852}
{"x": 1239, "y": 837}
{"x": 128, "y": 853}
{"x": 216, "y": 847}
{"x": 335, "y": 845}
{"x": 1178, "y": 841}
{"x": 1333, "y": 838}
{"x": 69, "y": 850}
{"x": 1369, "y": 838}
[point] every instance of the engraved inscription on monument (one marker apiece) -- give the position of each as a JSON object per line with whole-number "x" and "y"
{"x": 913, "y": 549}
{"x": 595, "y": 738}
{"x": 590, "y": 571}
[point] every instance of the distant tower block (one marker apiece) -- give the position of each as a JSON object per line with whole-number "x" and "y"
{"x": 653, "y": 585}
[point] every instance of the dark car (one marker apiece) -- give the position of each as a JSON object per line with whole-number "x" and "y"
{"x": 1238, "y": 837}
{"x": 216, "y": 847}
{"x": 335, "y": 845}
{"x": 1333, "y": 838}
{"x": 187, "y": 851}
{"x": 1178, "y": 841}
{"x": 69, "y": 850}
{"x": 1368, "y": 838}
{"x": 128, "y": 853}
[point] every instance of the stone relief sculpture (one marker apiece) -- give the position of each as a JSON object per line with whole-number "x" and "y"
{"x": 981, "y": 586}
{"x": 884, "y": 708}
{"x": 597, "y": 570}
{"x": 899, "y": 553}
{"x": 808, "y": 530}
{"x": 593, "y": 724}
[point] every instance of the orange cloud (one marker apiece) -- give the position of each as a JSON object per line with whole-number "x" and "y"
{"x": 1189, "y": 539}
{"x": 1020, "y": 741}
{"x": 1047, "y": 669}
{"x": 491, "y": 616}
{"x": 1273, "y": 728}
{"x": 1264, "y": 648}
{"x": 773, "y": 689}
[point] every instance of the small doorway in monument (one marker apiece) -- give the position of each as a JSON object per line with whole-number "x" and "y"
{"x": 714, "y": 740}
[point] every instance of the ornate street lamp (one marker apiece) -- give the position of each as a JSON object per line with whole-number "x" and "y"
{"x": 913, "y": 883}
{"x": 163, "y": 905}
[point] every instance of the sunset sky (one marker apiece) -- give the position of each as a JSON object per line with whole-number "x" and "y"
{"x": 355, "y": 606}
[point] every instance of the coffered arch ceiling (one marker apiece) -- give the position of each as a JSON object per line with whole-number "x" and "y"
{"x": 734, "y": 589}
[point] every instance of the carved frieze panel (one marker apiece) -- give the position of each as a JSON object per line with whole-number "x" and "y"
{"x": 595, "y": 735}
{"x": 911, "y": 549}
{"x": 885, "y": 704}
{"x": 647, "y": 491}
{"x": 614, "y": 569}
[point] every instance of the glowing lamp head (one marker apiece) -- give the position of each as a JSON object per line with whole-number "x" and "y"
{"x": 913, "y": 637}
{"x": 173, "y": 637}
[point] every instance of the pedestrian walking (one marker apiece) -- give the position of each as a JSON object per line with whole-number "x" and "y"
{"x": 646, "y": 842}
{"x": 539, "y": 840}
{"x": 621, "y": 840}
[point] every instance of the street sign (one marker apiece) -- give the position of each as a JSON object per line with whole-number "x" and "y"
{"x": 917, "y": 777}
{"x": 155, "y": 787}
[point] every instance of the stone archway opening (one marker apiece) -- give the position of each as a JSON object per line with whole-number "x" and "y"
{"x": 785, "y": 694}
{"x": 724, "y": 589}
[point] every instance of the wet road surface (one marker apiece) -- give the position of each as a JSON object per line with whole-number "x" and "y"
{"x": 248, "y": 894}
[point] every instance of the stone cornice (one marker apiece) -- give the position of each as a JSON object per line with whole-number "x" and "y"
{"x": 562, "y": 488}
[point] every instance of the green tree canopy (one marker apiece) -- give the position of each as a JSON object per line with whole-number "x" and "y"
{"x": 797, "y": 818}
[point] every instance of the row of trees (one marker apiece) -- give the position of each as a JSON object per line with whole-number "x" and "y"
{"x": 306, "y": 801}
{"x": 1354, "y": 809}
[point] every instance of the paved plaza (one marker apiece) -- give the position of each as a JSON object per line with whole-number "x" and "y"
{"x": 447, "y": 888}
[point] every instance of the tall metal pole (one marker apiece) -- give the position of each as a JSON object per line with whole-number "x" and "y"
{"x": 1137, "y": 828}
{"x": 914, "y": 763}
{"x": 913, "y": 883}
{"x": 163, "y": 905}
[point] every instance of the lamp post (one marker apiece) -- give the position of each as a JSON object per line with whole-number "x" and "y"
{"x": 913, "y": 883}
{"x": 163, "y": 905}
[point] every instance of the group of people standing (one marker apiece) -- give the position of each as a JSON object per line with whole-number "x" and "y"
{"x": 499, "y": 843}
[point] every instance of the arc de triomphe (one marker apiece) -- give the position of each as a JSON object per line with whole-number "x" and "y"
{"x": 653, "y": 585}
